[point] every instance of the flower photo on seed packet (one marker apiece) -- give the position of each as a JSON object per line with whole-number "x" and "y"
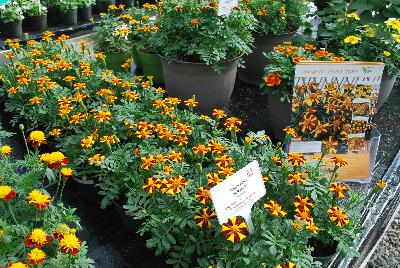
{"x": 334, "y": 103}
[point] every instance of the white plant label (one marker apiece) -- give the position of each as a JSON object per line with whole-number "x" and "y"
{"x": 225, "y": 6}
{"x": 305, "y": 147}
{"x": 236, "y": 195}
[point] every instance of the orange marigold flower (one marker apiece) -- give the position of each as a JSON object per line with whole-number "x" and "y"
{"x": 103, "y": 116}
{"x": 203, "y": 218}
{"x": 195, "y": 22}
{"x": 191, "y": 102}
{"x": 6, "y": 193}
{"x": 309, "y": 47}
{"x": 78, "y": 86}
{"x": 55, "y": 132}
{"x": 218, "y": 113}
{"x": 37, "y": 238}
{"x": 322, "y": 53}
{"x": 275, "y": 208}
{"x": 227, "y": 171}
{"x": 67, "y": 173}
{"x": 235, "y": 229}
{"x": 224, "y": 161}
{"x": 291, "y": 132}
{"x": 37, "y": 138}
{"x": 203, "y": 195}
{"x": 87, "y": 142}
{"x": 233, "y": 123}
{"x": 339, "y": 162}
{"x": 148, "y": 162}
{"x": 97, "y": 158}
{"x": 303, "y": 215}
{"x": 296, "y": 159}
{"x": 338, "y": 216}
{"x": 338, "y": 189}
{"x": 151, "y": 185}
{"x": 200, "y": 149}
{"x": 36, "y": 256}
{"x": 272, "y": 80}
{"x": 380, "y": 184}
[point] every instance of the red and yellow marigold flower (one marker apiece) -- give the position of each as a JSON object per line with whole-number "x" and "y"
{"x": 67, "y": 173}
{"x": 303, "y": 203}
{"x": 338, "y": 216}
{"x": 53, "y": 160}
{"x": 6, "y": 193}
{"x": 233, "y": 123}
{"x": 6, "y": 150}
{"x": 37, "y": 138}
{"x": 37, "y": 238}
{"x": 303, "y": 215}
{"x": 272, "y": 80}
{"x": 203, "y": 195}
{"x": 296, "y": 178}
{"x": 203, "y": 218}
{"x": 175, "y": 156}
{"x": 224, "y": 161}
{"x": 338, "y": 189}
{"x": 277, "y": 160}
{"x": 70, "y": 244}
{"x": 213, "y": 179}
{"x": 296, "y": 159}
{"x": 218, "y": 113}
{"x": 311, "y": 226}
{"x": 286, "y": 265}
{"x": 151, "y": 185}
{"x": 275, "y": 208}
{"x": 38, "y": 199}
{"x": 174, "y": 185}
{"x": 200, "y": 149}
{"x": 227, "y": 171}
{"x": 148, "y": 162}
{"x": 235, "y": 229}
{"x": 36, "y": 256}
{"x": 63, "y": 230}
{"x": 339, "y": 161}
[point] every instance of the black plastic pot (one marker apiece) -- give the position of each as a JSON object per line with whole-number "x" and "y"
{"x": 281, "y": 115}
{"x": 89, "y": 191}
{"x": 322, "y": 252}
{"x": 85, "y": 13}
{"x": 187, "y": 79}
{"x": 255, "y": 62}
{"x": 102, "y": 6}
{"x": 131, "y": 225}
{"x": 35, "y": 23}
{"x": 12, "y": 29}
{"x": 70, "y": 17}
{"x": 53, "y": 16}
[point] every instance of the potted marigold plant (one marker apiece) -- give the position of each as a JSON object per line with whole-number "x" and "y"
{"x": 368, "y": 42}
{"x": 11, "y": 16}
{"x": 68, "y": 11}
{"x": 85, "y": 9}
{"x": 279, "y": 79}
{"x": 36, "y": 15}
{"x": 111, "y": 38}
{"x": 200, "y": 50}
{"x": 277, "y": 22}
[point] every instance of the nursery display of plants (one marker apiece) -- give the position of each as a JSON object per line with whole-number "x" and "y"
{"x": 136, "y": 119}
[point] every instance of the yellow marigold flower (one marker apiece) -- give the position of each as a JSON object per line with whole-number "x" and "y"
{"x": 249, "y": 139}
{"x": 12, "y": 90}
{"x": 286, "y": 265}
{"x": 87, "y": 142}
{"x": 352, "y": 39}
{"x": 17, "y": 264}
{"x": 6, "y": 150}
{"x": 39, "y": 199}
{"x": 296, "y": 224}
{"x": 387, "y": 53}
{"x": 1, "y": 234}
{"x": 393, "y": 23}
{"x": 54, "y": 160}
{"x": 203, "y": 218}
{"x": 311, "y": 226}
{"x": 97, "y": 158}
{"x": 191, "y": 103}
{"x": 275, "y": 208}
{"x": 37, "y": 238}
{"x": 338, "y": 216}
{"x": 37, "y": 138}
{"x": 235, "y": 229}
{"x": 103, "y": 116}
{"x": 100, "y": 56}
{"x": 36, "y": 256}
{"x": 397, "y": 37}
{"x": 70, "y": 244}
{"x": 218, "y": 113}
{"x": 353, "y": 15}
{"x": 290, "y": 132}
{"x": 380, "y": 184}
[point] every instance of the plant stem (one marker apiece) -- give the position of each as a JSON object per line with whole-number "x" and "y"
{"x": 12, "y": 213}
{"x": 62, "y": 189}
{"x": 58, "y": 185}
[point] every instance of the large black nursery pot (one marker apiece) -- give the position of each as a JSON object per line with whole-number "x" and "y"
{"x": 324, "y": 253}
{"x": 35, "y": 23}
{"x": 89, "y": 191}
{"x": 102, "y": 6}
{"x": 12, "y": 29}
{"x": 151, "y": 66}
{"x": 387, "y": 84}
{"x": 212, "y": 89}
{"x": 281, "y": 114}
{"x": 85, "y": 13}
{"x": 54, "y": 16}
{"x": 69, "y": 17}
{"x": 130, "y": 225}
{"x": 255, "y": 62}
{"x": 127, "y": 3}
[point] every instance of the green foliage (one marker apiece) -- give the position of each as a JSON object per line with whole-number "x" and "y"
{"x": 33, "y": 8}
{"x": 11, "y": 12}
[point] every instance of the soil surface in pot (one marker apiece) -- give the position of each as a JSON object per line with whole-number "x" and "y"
{"x": 321, "y": 249}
